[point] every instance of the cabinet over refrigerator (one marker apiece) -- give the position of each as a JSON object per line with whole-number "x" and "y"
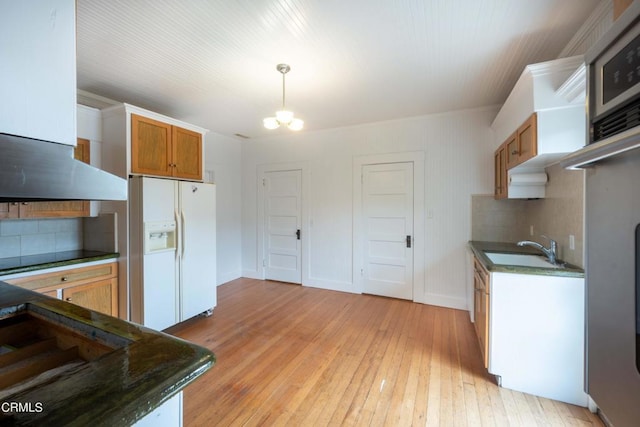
{"x": 172, "y": 240}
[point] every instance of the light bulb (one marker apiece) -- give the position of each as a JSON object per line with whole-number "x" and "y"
{"x": 296, "y": 124}
{"x": 271, "y": 123}
{"x": 284, "y": 117}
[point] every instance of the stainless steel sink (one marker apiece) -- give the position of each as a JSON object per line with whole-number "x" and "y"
{"x": 522, "y": 260}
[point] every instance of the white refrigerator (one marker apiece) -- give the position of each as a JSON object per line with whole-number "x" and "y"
{"x": 172, "y": 250}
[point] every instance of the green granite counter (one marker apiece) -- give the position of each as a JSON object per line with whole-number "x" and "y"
{"x": 139, "y": 370}
{"x": 28, "y": 263}
{"x": 479, "y": 248}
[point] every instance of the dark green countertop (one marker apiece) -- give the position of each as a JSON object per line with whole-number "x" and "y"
{"x": 23, "y": 264}
{"x": 479, "y": 248}
{"x": 115, "y": 389}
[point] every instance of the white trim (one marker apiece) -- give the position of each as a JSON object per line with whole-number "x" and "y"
{"x": 417, "y": 158}
{"x": 446, "y": 301}
{"x": 574, "y": 89}
{"x": 252, "y": 274}
{"x": 332, "y": 285}
{"x": 229, "y": 276}
{"x": 306, "y": 178}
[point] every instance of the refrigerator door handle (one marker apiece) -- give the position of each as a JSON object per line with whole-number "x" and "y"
{"x": 178, "y": 234}
{"x": 183, "y": 234}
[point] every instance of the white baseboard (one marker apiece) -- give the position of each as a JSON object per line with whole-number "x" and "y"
{"x": 330, "y": 285}
{"x": 228, "y": 276}
{"x": 445, "y": 301}
{"x": 252, "y": 274}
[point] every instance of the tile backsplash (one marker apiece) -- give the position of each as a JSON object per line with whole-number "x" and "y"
{"x": 36, "y": 236}
{"x": 558, "y": 215}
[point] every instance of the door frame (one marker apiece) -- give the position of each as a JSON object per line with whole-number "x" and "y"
{"x": 417, "y": 158}
{"x": 304, "y": 228}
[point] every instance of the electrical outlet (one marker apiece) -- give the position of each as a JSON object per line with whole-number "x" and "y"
{"x": 572, "y": 242}
{"x": 531, "y": 230}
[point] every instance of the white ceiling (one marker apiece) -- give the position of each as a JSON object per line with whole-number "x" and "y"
{"x": 213, "y": 62}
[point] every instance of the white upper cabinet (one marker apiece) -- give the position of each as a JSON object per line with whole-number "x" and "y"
{"x": 38, "y": 69}
{"x": 549, "y": 99}
{"x": 561, "y": 120}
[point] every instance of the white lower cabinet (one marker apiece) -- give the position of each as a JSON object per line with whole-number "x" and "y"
{"x": 536, "y": 335}
{"x": 169, "y": 414}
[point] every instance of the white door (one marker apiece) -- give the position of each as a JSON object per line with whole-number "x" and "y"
{"x": 387, "y": 209}
{"x": 197, "y": 249}
{"x": 283, "y": 218}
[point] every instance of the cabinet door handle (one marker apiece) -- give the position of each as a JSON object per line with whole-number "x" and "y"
{"x": 64, "y": 278}
{"x": 514, "y": 152}
{"x": 68, "y": 299}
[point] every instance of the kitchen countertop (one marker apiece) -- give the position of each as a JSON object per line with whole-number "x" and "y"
{"x": 479, "y": 248}
{"x": 117, "y": 388}
{"x": 28, "y": 263}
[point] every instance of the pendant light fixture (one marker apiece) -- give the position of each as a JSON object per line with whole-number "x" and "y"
{"x": 283, "y": 117}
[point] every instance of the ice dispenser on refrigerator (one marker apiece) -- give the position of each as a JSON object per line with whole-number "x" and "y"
{"x": 159, "y": 236}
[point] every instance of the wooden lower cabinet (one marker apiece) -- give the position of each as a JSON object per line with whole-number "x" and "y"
{"x": 481, "y": 284}
{"x": 94, "y": 287}
{"x": 99, "y": 296}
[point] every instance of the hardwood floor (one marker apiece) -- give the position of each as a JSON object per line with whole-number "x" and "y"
{"x": 296, "y": 356}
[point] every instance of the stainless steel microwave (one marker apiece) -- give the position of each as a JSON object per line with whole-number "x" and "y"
{"x": 613, "y": 92}
{"x": 615, "y": 102}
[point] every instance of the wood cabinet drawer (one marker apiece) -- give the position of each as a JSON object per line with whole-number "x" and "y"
{"x": 62, "y": 279}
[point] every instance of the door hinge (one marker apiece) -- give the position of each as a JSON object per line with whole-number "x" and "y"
{"x": 298, "y": 234}
{"x": 264, "y": 182}
{"x": 264, "y": 262}
{"x": 362, "y": 272}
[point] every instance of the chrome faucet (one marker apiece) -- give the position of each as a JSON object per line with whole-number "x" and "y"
{"x": 551, "y": 252}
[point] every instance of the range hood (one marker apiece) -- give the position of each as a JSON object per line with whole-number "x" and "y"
{"x": 32, "y": 170}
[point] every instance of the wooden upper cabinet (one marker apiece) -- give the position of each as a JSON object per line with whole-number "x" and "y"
{"x": 59, "y": 209}
{"x": 619, "y": 6}
{"x": 150, "y": 146}
{"x": 187, "y": 153}
{"x": 511, "y": 150}
{"x": 528, "y": 139}
{"x": 523, "y": 144}
{"x": 161, "y": 149}
{"x": 500, "y": 172}
{"x": 9, "y": 210}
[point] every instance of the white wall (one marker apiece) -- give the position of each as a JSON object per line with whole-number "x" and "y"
{"x": 222, "y": 163}
{"x": 458, "y": 162}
